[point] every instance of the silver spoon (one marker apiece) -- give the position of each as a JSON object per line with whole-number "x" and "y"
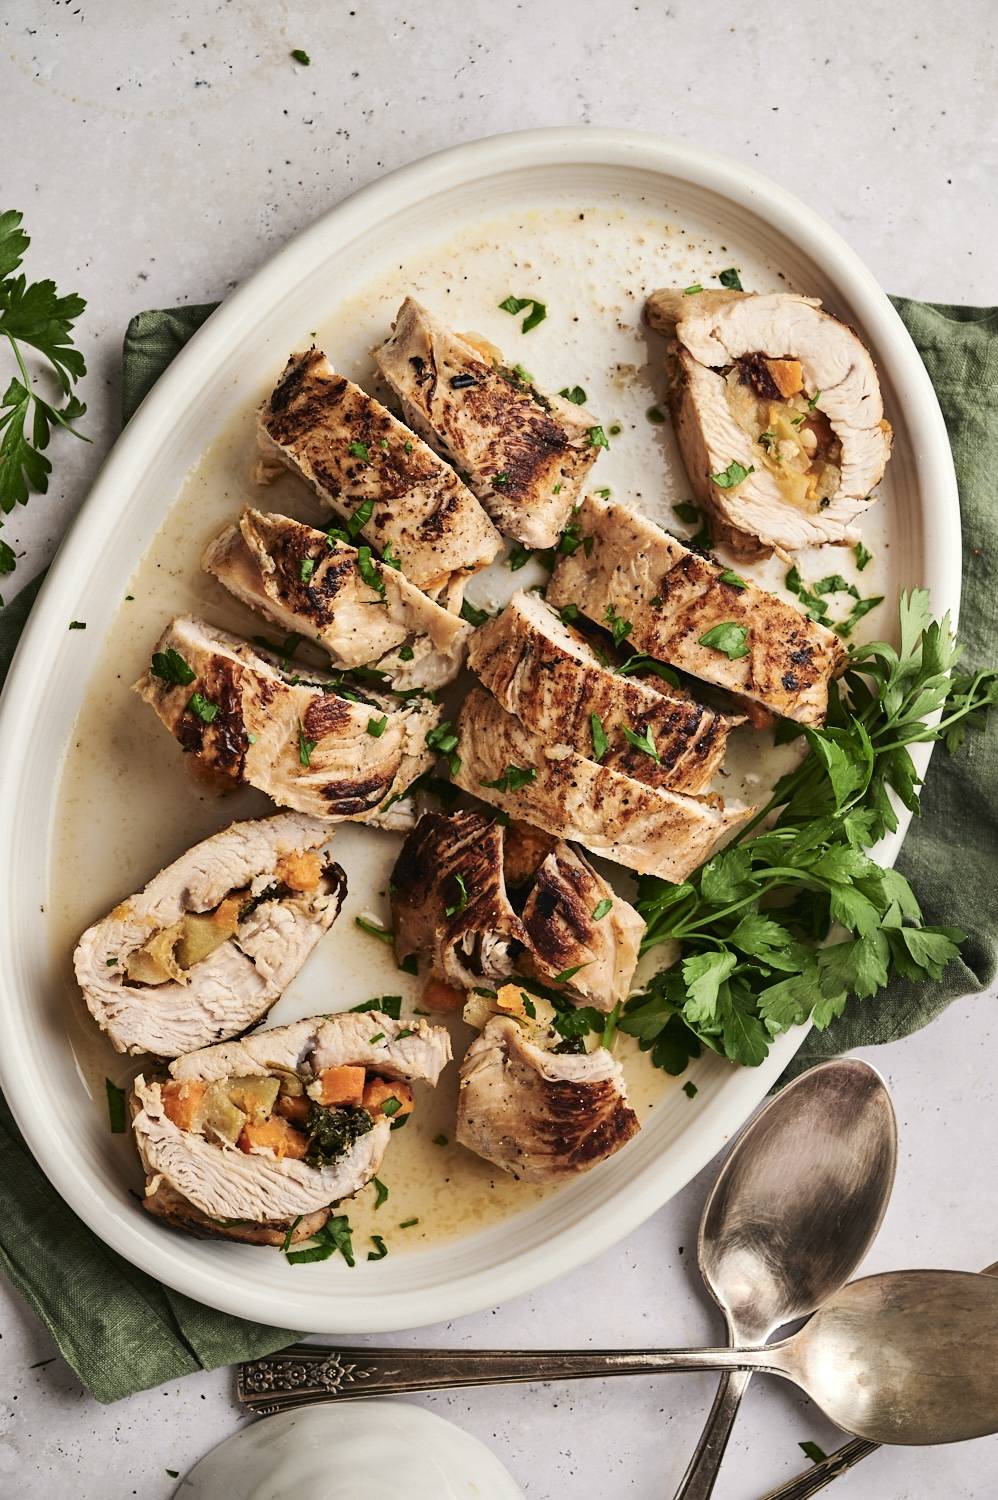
{"x": 795, "y": 1209}
{"x": 844, "y": 1458}
{"x": 906, "y": 1357}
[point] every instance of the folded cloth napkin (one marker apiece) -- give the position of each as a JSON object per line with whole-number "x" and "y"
{"x": 122, "y": 1331}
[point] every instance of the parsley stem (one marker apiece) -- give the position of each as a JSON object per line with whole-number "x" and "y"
{"x": 28, "y": 384}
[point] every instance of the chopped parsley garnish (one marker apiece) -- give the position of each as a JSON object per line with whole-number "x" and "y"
{"x": 500, "y": 480}
{"x": 655, "y": 415}
{"x": 203, "y": 707}
{"x": 518, "y": 557}
{"x": 383, "y": 934}
{"x": 410, "y": 964}
{"x": 813, "y": 1452}
{"x": 391, "y": 1106}
{"x": 381, "y": 1192}
{"x": 408, "y": 1223}
{"x": 359, "y": 450}
{"x": 573, "y": 393}
{"x": 687, "y": 513}
{"x": 306, "y": 569}
{"x": 400, "y": 1036}
{"x": 812, "y": 401}
{"x": 602, "y": 908}
{"x": 335, "y": 1235}
{"x": 406, "y": 653}
{"x": 615, "y": 429}
{"x": 380, "y": 1248}
{"x": 305, "y": 746}
{"x": 731, "y": 279}
{"x": 77, "y": 624}
{"x": 440, "y": 1140}
{"x": 389, "y": 1005}
{"x": 619, "y": 627}
{"x": 644, "y": 742}
{"x": 377, "y": 727}
{"x": 729, "y": 638}
{"x": 522, "y": 375}
{"x": 601, "y": 743}
{"x": 732, "y": 475}
{"x": 598, "y": 438}
{"x": 642, "y": 663}
{"x": 443, "y": 739}
{"x": 569, "y": 613}
{"x": 734, "y": 580}
{"x": 462, "y": 897}
{"x": 472, "y": 614}
{"x": 170, "y": 666}
{"x": 301, "y": 56}
{"x": 359, "y": 518}
{"x": 605, "y": 492}
{"x": 390, "y": 560}
{"x": 567, "y": 974}
{"x": 862, "y": 556}
{"x": 690, "y": 1089}
{"x": 538, "y": 311}
{"x": 369, "y": 573}
{"x": 116, "y": 1112}
{"x": 512, "y": 779}
{"x": 408, "y": 446}
{"x": 378, "y": 1036}
{"x": 689, "y": 290}
{"x": 767, "y": 441}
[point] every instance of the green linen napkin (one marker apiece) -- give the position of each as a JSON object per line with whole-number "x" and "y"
{"x": 122, "y": 1331}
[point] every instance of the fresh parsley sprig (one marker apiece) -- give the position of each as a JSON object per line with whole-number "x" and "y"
{"x": 754, "y": 924}
{"x": 32, "y": 315}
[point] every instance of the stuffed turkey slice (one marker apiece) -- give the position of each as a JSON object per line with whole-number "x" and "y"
{"x": 540, "y": 1112}
{"x": 778, "y": 413}
{"x": 484, "y": 901}
{"x": 526, "y": 455}
{"x": 377, "y": 476}
{"x": 212, "y": 941}
{"x": 257, "y": 1139}
{"x": 312, "y": 740}
{"x": 360, "y": 611}
{"x": 546, "y": 783}
{"x": 699, "y": 617}
{"x": 553, "y": 680}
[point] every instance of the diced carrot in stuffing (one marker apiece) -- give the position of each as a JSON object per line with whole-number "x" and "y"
{"x": 440, "y": 996}
{"x": 788, "y": 377}
{"x": 300, "y": 871}
{"x": 181, "y": 1101}
{"x": 343, "y": 1085}
{"x": 276, "y": 1134}
{"x": 293, "y": 1107}
{"x": 380, "y": 1090}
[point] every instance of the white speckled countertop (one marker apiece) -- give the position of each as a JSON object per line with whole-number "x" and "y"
{"x": 160, "y": 153}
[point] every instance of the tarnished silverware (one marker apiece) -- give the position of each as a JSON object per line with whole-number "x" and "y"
{"x": 814, "y": 1479}
{"x": 907, "y": 1357}
{"x": 796, "y": 1207}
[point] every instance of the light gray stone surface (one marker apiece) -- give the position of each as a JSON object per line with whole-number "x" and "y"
{"x": 160, "y": 153}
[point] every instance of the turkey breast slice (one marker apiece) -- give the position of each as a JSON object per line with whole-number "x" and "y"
{"x": 744, "y": 367}
{"x": 648, "y": 829}
{"x": 484, "y": 939}
{"x": 225, "y": 1183}
{"x": 304, "y": 582}
{"x": 236, "y": 983}
{"x": 537, "y": 1114}
{"x": 300, "y": 736}
{"x": 526, "y": 453}
{"x": 549, "y": 676}
{"x": 360, "y": 460}
{"x": 673, "y": 598}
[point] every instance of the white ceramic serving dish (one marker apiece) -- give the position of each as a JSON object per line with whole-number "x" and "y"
{"x": 227, "y": 363}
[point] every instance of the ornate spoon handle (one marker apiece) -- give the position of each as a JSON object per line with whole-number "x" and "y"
{"x": 308, "y": 1373}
